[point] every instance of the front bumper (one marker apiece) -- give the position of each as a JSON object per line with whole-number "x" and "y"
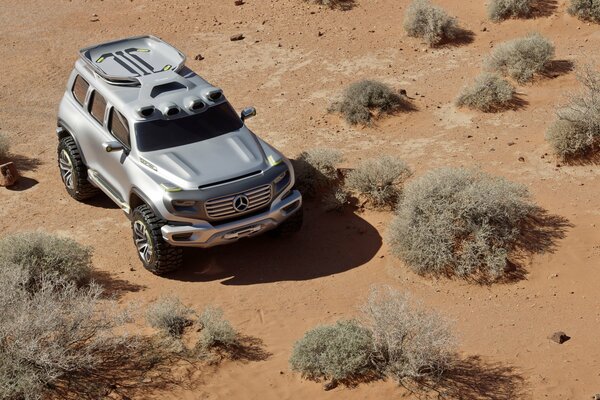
{"x": 206, "y": 235}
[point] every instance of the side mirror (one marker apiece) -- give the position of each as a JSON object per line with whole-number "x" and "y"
{"x": 114, "y": 145}
{"x": 248, "y": 112}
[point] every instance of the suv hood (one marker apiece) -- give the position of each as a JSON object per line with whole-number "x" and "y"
{"x": 210, "y": 161}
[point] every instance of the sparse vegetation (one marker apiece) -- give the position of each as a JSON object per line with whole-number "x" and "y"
{"x": 380, "y": 180}
{"x": 458, "y": 221}
{"x": 215, "y": 330}
{"x": 169, "y": 316}
{"x": 338, "y": 352}
{"x": 576, "y": 133}
{"x": 367, "y": 99}
{"x": 588, "y": 10}
{"x": 46, "y": 254}
{"x": 429, "y": 22}
{"x": 489, "y": 93}
{"x": 336, "y": 200}
{"x": 316, "y": 170}
{"x": 499, "y": 10}
{"x": 522, "y": 58}
{"x": 4, "y": 147}
{"x": 338, "y": 4}
{"x": 409, "y": 342}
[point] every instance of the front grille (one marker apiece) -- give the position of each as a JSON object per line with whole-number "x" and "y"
{"x": 222, "y": 207}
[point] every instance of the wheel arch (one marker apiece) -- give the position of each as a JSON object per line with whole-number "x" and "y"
{"x": 138, "y": 198}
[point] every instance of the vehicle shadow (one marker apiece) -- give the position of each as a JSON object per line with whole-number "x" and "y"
{"x": 328, "y": 244}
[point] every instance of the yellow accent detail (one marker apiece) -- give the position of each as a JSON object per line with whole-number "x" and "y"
{"x": 144, "y": 50}
{"x": 166, "y": 68}
{"x": 273, "y": 162}
{"x": 170, "y": 188}
{"x": 100, "y": 60}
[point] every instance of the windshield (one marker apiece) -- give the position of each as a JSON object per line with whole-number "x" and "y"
{"x": 163, "y": 134}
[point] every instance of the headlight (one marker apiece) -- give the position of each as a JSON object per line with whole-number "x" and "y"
{"x": 183, "y": 203}
{"x": 280, "y": 177}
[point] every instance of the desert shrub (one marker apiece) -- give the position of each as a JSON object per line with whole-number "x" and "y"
{"x": 489, "y": 93}
{"x": 339, "y": 352}
{"x": 58, "y": 338}
{"x": 43, "y": 254}
{"x": 522, "y": 58}
{"x": 409, "y": 342}
{"x": 169, "y": 315}
{"x": 504, "y": 9}
{"x": 458, "y": 221}
{"x": 4, "y": 147}
{"x": 429, "y": 22}
{"x": 316, "y": 170}
{"x": 367, "y": 99}
{"x": 336, "y": 200}
{"x": 588, "y": 10}
{"x": 380, "y": 180}
{"x": 576, "y": 133}
{"x": 216, "y": 331}
{"x": 339, "y": 4}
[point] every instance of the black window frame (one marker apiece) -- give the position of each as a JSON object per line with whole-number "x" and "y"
{"x": 91, "y": 103}
{"x": 111, "y": 112}
{"x": 82, "y": 102}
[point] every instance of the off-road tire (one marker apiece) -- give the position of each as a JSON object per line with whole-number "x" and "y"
{"x": 81, "y": 188}
{"x": 164, "y": 258}
{"x": 291, "y": 225}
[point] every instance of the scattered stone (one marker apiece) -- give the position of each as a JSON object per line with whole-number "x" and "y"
{"x": 484, "y": 29}
{"x": 522, "y": 159}
{"x": 199, "y": 57}
{"x": 8, "y": 174}
{"x": 239, "y": 36}
{"x": 319, "y": 34}
{"x": 559, "y": 337}
{"x": 239, "y": 2}
{"x": 94, "y": 19}
{"x": 511, "y": 143}
{"x": 330, "y": 385}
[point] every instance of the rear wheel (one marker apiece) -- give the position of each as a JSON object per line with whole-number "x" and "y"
{"x": 73, "y": 171}
{"x": 158, "y": 256}
{"x": 291, "y": 225}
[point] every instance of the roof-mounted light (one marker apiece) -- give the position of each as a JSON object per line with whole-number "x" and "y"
{"x": 195, "y": 104}
{"x": 214, "y": 94}
{"x": 146, "y": 111}
{"x": 169, "y": 109}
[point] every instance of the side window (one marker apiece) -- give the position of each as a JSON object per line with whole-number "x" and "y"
{"x": 117, "y": 125}
{"x": 97, "y": 106}
{"x": 80, "y": 87}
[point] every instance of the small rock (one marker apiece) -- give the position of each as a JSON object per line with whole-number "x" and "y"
{"x": 132, "y": 269}
{"x": 8, "y": 174}
{"x": 199, "y": 57}
{"x": 147, "y": 380}
{"x": 330, "y": 385}
{"x": 94, "y": 19}
{"x": 319, "y": 34}
{"x": 522, "y": 159}
{"x": 559, "y": 337}
{"x": 239, "y": 2}
{"x": 511, "y": 143}
{"x": 239, "y": 36}
{"x": 484, "y": 29}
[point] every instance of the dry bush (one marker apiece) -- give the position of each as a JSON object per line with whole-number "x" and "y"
{"x": 380, "y": 180}
{"x": 337, "y": 4}
{"x": 409, "y": 342}
{"x": 457, "y": 221}
{"x": 522, "y": 58}
{"x": 576, "y": 133}
{"x": 4, "y": 147}
{"x": 316, "y": 170}
{"x": 216, "y": 331}
{"x": 169, "y": 316}
{"x": 588, "y": 10}
{"x": 504, "y": 9}
{"x": 57, "y": 338}
{"x": 336, "y": 200}
{"x": 367, "y": 99}
{"x": 43, "y": 254}
{"x": 338, "y": 352}
{"x": 489, "y": 93}
{"x": 430, "y": 23}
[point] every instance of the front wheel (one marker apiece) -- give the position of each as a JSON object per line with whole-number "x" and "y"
{"x": 291, "y": 225}
{"x": 158, "y": 256}
{"x": 73, "y": 171}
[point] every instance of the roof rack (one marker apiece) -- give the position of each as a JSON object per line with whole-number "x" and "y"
{"x": 128, "y": 61}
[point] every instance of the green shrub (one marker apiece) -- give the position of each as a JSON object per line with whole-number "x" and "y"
{"x": 576, "y": 133}
{"x": 216, "y": 331}
{"x": 504, "y": 9}
{"x": 588, "y": 10}
{"x": 43, "y": 254}
{"x": 457, "y": 221}
{"x": 409, "y": 341}
{"x": 431, "y": 23}
{"x": 367, "y": 99}
{"x": 339, "y": 352}
{"x": 169, "y": 315}
{"x": 316, "y": 170}
{"x": 489, "y": 93}
{"x": 380, "y": 180}
{"x": 4, "y": 147}
{"x": 522, "y": 58}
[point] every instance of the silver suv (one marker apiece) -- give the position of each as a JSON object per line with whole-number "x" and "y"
{"x": 168, "y": 148}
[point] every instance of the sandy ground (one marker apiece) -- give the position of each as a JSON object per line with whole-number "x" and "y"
{"x": 275, "y": 290}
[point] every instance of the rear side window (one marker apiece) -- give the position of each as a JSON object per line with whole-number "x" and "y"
{"x": 118, "y": 126}
{"x": 97, "y": 106}
{"x": 80, "y": 87}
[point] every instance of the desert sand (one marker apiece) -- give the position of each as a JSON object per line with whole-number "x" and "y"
{"x": 295, "y": 59}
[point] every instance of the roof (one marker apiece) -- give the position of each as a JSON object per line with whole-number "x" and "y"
{"x": 143, "y": 72}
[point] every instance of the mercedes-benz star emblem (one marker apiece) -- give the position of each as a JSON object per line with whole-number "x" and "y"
{"x": 240, "y": 203}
